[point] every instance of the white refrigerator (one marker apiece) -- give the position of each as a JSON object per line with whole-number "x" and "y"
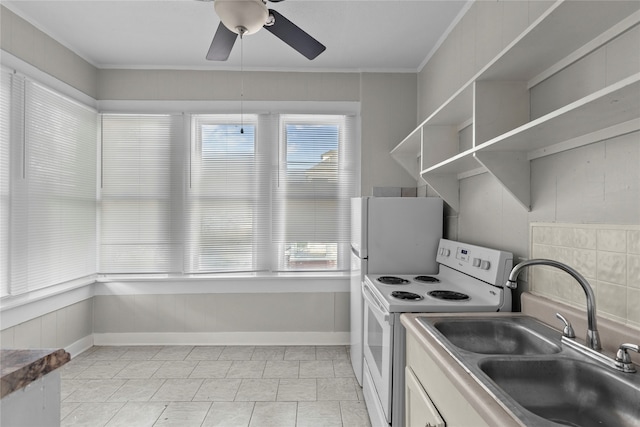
{"x": 389, "y": 235}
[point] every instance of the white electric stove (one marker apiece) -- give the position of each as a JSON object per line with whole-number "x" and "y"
{"x": 470, "y": 279}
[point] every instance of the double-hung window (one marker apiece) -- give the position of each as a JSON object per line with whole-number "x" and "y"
{"x": 311, "y": 196}
{"x": 244, "y": 194}
{"x": 228, "y": 199}
{"x": 48, "y": 187}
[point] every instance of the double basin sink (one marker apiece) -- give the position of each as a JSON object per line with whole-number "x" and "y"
{"x": 522, "y": 362}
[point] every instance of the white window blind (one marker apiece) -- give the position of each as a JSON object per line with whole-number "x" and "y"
{"x": 228, "y": 197}
{"x": 142, "y": 178}
{"x": 53, "y": 219}
{"x": 311, "y": 196}
{"x": 5, "y": 135}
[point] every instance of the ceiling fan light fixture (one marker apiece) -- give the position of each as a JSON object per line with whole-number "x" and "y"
{"x": 242, "y": 16}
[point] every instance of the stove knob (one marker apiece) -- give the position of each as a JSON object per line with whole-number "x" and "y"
{"x": 476, "y": 262}
{"x": 485, "y": 265}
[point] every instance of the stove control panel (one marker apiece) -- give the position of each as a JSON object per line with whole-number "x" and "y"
{"x": 489, "y": 265}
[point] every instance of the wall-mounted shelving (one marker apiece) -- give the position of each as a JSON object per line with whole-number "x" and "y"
{"x": 496, "y": 103}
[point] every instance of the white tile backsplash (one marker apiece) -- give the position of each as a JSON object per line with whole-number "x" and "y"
{"x": 608, "y": 256}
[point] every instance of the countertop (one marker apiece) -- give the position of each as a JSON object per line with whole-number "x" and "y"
{"x": 20, "y": 368}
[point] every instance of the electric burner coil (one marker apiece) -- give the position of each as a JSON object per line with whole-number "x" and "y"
{"x": 392, "y": 280}
{"x": 448, "y": 295}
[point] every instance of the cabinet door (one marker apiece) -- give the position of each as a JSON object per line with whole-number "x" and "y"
{"x": 419, "y": 410}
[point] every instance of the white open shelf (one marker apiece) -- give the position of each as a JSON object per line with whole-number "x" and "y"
{"x": 496, "y": 103}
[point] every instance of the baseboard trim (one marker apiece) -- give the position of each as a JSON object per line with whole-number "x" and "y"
{"x": 222, "y": 338}
{"x": 79, "y": 346}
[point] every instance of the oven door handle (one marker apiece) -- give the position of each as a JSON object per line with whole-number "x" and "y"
{"x": 373, "y": 302}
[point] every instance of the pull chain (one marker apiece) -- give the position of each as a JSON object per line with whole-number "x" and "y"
{"x": 241, "y": 82}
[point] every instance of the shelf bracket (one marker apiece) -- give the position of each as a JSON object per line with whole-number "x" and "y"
{"x": 446, "y": 185}
{"x": 512, "y": 169}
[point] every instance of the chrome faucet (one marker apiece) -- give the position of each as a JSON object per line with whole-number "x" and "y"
{"x": 593, "y": 338}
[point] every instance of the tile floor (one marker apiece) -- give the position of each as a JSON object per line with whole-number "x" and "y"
{"x": 224, "y": 386}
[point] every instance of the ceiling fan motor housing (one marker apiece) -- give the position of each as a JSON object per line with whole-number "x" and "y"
{"x": 242, "y": 16}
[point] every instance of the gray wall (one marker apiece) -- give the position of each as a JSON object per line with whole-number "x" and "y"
{"x": 598, "y": 183}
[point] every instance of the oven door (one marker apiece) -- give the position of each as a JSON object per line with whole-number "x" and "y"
{"x": 378, "y": 347}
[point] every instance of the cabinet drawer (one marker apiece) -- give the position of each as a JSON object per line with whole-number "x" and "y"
{"x": 419, "y": 410}
{"x": 450, "y": 403}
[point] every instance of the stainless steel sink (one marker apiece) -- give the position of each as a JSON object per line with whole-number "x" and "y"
{"x": 567, "y": 392}
{"x": 496, "y": 336}
{"x": 543, "y": 382}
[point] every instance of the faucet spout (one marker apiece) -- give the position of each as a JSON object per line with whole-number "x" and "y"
{"x": 593, "y": 338}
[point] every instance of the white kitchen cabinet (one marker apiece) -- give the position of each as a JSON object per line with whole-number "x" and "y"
{"x": 419, "y": 409}
{"x": 496, "y": 103}
{"x": 431, "y": 399}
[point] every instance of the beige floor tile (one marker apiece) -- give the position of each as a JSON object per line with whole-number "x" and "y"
{"x": 337, "y": 389}
{"x": 229, "y": 414}
{"x": 95, "y": 391}
{"x": 258, "y": 390}
{"x": 73, "y": 368}
{"x": 106, "y": 353}
{"x": 281, "y": 369}
{"x": 175, "y": 369}
{"x": 293, "y": 390}
{"x": 316, "y": 414}
{"x": 343, "y": 368}
{"x": 69, "y": 386}
{"x": 205, "y": 353}
{"x": 331, "y": 353}
{"x": 177, "y": 390}
{"x": 246, "y": 369}
{"x": 183, "y": 414}
{"x": 239, "y": 352}
{"x": 211, "y": 369}
{"x": 354, "y": 414}
{"x": 300, "y": 353}
{"x": 139, "y": 369}
{"x": 102, "y": 369}
{"x": 178, "y": 352}
{"x": 91, "y": 414}
{"x": 140, "y": 353}
{"x": 140, "y": 390}
{"x": 316, "y": 369}
{"x": 274, "y": 414}
{"x": 268, "y": 353}
{"x": 138, "y": 414}
{"x": 218, "y": 390}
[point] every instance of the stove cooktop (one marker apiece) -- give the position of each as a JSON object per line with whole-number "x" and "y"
{"x": 447, "y": 291}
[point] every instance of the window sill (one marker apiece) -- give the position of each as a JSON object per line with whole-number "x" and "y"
{"x": 135, "y": 284}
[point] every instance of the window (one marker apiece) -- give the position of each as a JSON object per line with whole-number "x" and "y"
{"x": 52, "y": 185}
{"x": 228, "y": 196}
{"x": 257, "y": 193}
{"x": 141, "y": 191}
{"x": 311, "y": 198}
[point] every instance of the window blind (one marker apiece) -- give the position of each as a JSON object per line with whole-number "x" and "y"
{"x": 53, "y": 219}
{"x": 228, "y": 197}
{"x": 141, "y": 194}
{"x": 5, "y": 134}
{"x": 311, "y": 196}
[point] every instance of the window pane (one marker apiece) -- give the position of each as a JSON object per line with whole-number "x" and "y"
{"x": 226, "y": 202}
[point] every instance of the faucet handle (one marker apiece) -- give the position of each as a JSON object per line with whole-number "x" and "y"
{"x": 623, "y": 360}
{"x": 567, "y": 331}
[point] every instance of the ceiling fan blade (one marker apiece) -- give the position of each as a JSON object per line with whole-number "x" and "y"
{"x": 222, "y": 43}
{"x": 294, "y": 36}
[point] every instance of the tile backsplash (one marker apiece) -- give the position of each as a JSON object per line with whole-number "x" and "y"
{"x": 608, "y": 256}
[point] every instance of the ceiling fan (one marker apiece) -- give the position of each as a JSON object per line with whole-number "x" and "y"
{"x": 244, "y": 17}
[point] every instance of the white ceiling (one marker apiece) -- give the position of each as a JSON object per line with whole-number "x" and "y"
{"x": 360, "y": 35}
